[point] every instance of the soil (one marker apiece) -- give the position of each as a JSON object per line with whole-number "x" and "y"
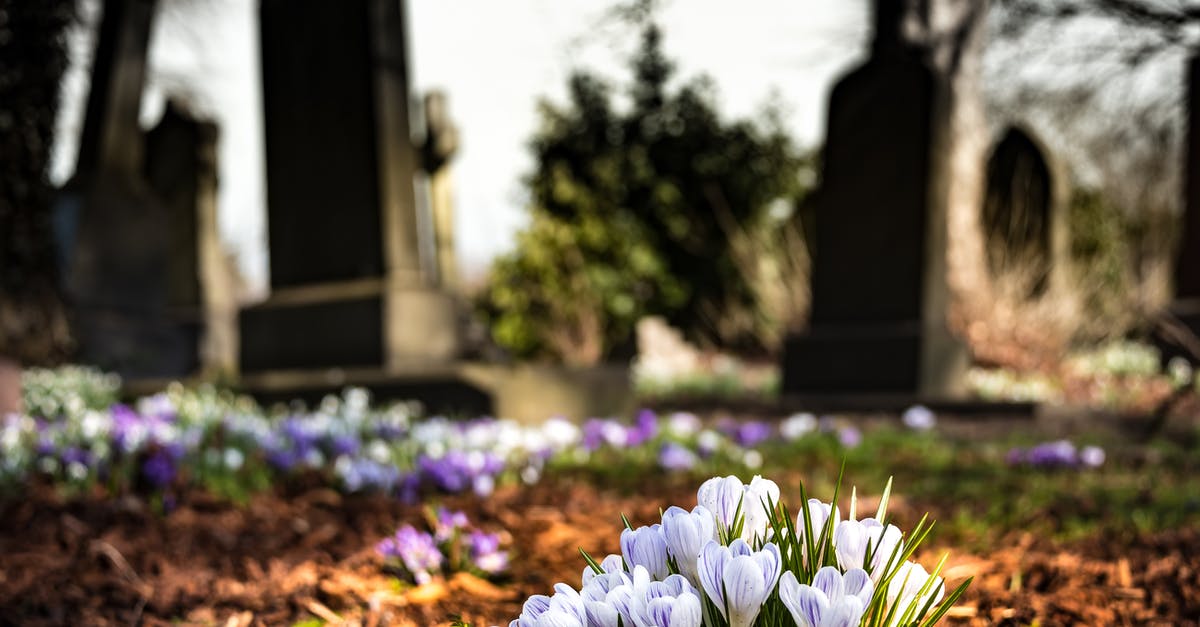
{"x": 284, "y": 558}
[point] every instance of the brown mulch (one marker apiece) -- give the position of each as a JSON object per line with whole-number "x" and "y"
{"x": 285, "y": 558}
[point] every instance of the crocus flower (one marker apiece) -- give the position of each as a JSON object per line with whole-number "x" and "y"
{"x": 833, "y": 599}
{"x": 416, "y": 550}
{"x": 818, "y": 516}
{"x": 1092, "y": 456}
{"x": 866, "y": 544}
{"x": 599, "y": 602}
{"x": 686, "y": 533}
{"x": 611, "y": 564}
{"x": 645, "y": 427}
{"x": 564, "y": 609}
{"x": 486, "y": 554}
{"x": 904, "y": 591}
{"x": 646, "y": 546}
{"x": 797, "y": 425}
{"x": 737, "y": 579}
{"x": 849, "y": 437}
{"x": 675, "y": 456}
{"x": 752, "y": 433}
{"x": 448, "y": 523}
{"x": 723, "y": 495}
{"x": 683, "y": 424}
{"x": 672, "y": 602}
{"x": 919, "y": 418}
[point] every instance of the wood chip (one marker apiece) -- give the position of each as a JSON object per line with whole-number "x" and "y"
{"x": 319, "y": 610}
{"x": 1124, "y": 574}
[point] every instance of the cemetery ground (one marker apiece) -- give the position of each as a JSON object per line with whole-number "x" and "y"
{"x": 1049, "y": 540}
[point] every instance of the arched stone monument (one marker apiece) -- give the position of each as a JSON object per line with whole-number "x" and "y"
{"x": 1024, "y": 212}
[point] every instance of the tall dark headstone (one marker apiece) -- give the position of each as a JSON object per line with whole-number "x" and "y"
{"x": 879, "y": 273}
{"x": 1186, "y": 305}
{"x": 1023, "y": 212}
{"x": 117, "y": 237}
{"x": 347, "y": 285}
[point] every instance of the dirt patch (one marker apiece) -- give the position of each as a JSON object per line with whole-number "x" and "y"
{"x": 283, "y": 558}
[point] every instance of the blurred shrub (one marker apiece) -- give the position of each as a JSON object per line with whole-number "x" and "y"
{"x": 660, "y": 208}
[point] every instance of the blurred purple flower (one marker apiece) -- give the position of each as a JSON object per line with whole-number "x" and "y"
{"x": 752, "y": 433}
{"x": 448, "y": 523}
{"x": 415, "y": 550}
{"x": 645, "y": 427}
{"x": 675, "y": 456}
{"x": 849, "y": 436}
{"x": 345, "y": 445}
{"x": 919, "y": 418}
{"x": 484, "y": 549}
{"x": 159, "y": 469}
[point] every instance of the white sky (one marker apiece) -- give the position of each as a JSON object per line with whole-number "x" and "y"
{"x": 494, "y": 60}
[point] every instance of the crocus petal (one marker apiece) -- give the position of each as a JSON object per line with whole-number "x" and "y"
{"x": 558, "y": 618}
{"x": 806, "y": 604}
{"x": 847, "y": 613}
{"x": 685, "y": 534}
{"x": 645, "y": 546}
{"x": 745, "y": 590}
{"x": 829, "y": 581}
{"x": 601, "y": 614}
{"x": 721, "y": 496}
{"x": 770, "y": 563}
{"x": 850, "y": 544}
{"x": 710, "y": 569}
{"x": 857, "y": 583}
{"x": 687, "y": 611}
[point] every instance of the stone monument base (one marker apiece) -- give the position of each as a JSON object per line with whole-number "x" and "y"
{"x": 885, "y": 359}
{"x": 351, "y": 324}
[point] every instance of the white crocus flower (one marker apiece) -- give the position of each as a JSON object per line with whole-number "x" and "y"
{"x": 672, "y": 602}
{"x": 646, "y": 546}
{"x": 833, "y": 599}
{"x": 852, "y": 539}
{"x": 724, "y": 495}
{"x": 904, "y": 592}
{"x": 737, "y": 579}
{"x": 818, "y": 515}
{"x": 611, "y": 564}
{"x": 564, "y": 609}
{"x": 686, "y": 533}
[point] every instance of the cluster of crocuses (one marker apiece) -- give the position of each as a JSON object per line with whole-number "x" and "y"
{"x": 739, "y": 559}
{"x": 681, "y": 441}
{"x": 1057, "y": 454}
{"x": 454, "y": 545}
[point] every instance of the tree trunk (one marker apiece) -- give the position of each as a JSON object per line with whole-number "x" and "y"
{"x": 33, "y": 327}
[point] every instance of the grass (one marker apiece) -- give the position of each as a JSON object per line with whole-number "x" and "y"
{"x": 975, "y": 495}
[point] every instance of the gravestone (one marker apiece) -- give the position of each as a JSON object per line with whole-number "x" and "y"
{"x": 1023, "y": 213}
{"x": 181, "y": 167}
{"x": 348, "y": 289}
{"x": 879, "y": 289}
{"x": 441, "y": 142}
{"x": 1183, "y": 339}
{"x": 115, "y": 233}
